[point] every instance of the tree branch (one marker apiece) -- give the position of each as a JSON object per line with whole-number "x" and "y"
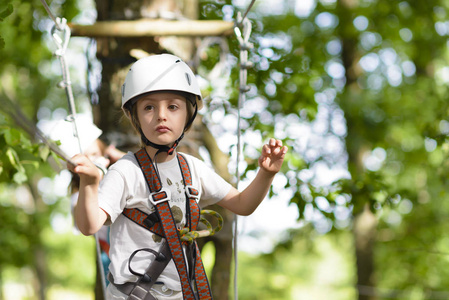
{"x": 157, "y": 27}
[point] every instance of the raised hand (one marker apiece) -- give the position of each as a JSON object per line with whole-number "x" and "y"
{"x": 272, "y": 156}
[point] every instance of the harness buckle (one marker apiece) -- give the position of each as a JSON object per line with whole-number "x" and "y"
{"x": 192, "y": 192}
{"x": 159, "y": 197}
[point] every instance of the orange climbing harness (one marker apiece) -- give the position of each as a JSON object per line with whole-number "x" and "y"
{"x": 194, "y": 284}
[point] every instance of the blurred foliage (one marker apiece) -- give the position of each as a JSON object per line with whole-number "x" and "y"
{"x": 28, "y": 240}
{"x": 5, "y": 12}
{"x": 311, "y": 266}
{"x": 356, "y": 89}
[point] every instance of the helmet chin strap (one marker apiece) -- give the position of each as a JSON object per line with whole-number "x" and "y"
{"x": 161, "y": 148}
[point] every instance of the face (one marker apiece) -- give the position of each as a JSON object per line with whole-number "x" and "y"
{"x": 162, "y": 117}
{"x": 95, "y": 153}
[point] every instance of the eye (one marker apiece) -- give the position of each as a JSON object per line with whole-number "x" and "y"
{"x": 173, "y": 107}
{"x": 149, "y": 107}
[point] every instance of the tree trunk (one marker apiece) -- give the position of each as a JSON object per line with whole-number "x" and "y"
{"x": 364, "y": 222}
{"x": 40, "y": 270}
{"x": 116, "y": 54}
{"x": 364, "y": 230}
{"x": 39, "y": 257}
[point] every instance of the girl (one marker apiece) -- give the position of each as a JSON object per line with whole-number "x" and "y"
{"x": 161, "y": 97}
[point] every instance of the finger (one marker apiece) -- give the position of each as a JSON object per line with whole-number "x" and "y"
{"x": 284, "y": 150}
{"x": 266, "y": 150}
{"x": 275, "y": 151}
{"x": 86, "y": 170}
{"x": 279, "y": 153}
{"x": 277, "y": 144}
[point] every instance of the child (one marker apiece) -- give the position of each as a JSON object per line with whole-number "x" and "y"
{"x": 98, "y": 152}
{"x": 102, "y": 156}
{"x": 161, "y": 97}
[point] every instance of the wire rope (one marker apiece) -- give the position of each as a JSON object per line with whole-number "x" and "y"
{"x": 52, "y": 16}
{"x": 61, "y": 33}
{"x": 243, "y": 39}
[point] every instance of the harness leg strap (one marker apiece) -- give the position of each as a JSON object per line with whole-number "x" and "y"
{"x": 141, "y": 290}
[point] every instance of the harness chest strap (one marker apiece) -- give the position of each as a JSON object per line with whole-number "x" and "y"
{"x": 167, "y": 226}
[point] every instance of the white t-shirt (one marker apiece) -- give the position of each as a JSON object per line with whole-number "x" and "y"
{"x": 124, "y": 186}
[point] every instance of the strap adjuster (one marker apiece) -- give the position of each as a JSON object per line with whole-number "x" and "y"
{"x": 192, "y": 192}
{"x": 159, "y": 197}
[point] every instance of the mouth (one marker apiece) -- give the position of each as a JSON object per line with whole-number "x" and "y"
{"x": 162, "y": 129}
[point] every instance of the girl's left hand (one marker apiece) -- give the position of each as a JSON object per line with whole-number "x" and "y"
{"x": 272, "y": 156}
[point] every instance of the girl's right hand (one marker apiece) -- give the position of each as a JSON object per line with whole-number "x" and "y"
{"x": 88, "y": 172}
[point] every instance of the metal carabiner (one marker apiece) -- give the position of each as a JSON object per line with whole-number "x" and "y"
{"x": 63, "y": 42}
{"x": 243, "y": 37}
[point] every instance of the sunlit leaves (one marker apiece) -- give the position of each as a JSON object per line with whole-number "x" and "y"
{"x": 17, "y": 154}
{"x": 5, "y": 11}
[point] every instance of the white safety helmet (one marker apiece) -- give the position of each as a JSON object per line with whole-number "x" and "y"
{"x": 62, "y": 131}
{"x": 163, "y": 72}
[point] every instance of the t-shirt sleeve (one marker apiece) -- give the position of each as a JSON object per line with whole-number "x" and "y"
{"x": 112, "y": 194}
{"x": 213, "y": 187}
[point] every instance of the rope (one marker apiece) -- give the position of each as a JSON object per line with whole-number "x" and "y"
{"x": 248, "y": 9}
{"x": 243, "y": 39}
{"x": 30, "y": 128}
{"x": 61, "y": 36}
{"x": 61, "y": 28}
{"x": 61, "y": 44}
{"x": 57, "y": 21}
{"x": 190, "y": 236}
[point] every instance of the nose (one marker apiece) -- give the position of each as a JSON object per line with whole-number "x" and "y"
{"x": 162, "y": 114}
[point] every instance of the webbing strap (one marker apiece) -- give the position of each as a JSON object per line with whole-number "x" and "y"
{"x": 144, "y": 220}
{"x": 168, "y": 226}
{"x": 202, "y": 283}
{"x": 141, "y": 289}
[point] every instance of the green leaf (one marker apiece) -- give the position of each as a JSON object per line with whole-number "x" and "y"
{"x": 20, "y": 177}
{"x": 25, "y": 142}
{"x": 14, "y": 159}
{"x": 12, "y": 137}
{"x": 6, "y": 12}
{"x": 3, "y": 14}
{"x": 44, "y": 152}
{"x": 57, "y": 160}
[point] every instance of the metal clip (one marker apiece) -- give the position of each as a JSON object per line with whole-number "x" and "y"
{"x": 243, "y": 37}
{"x": 63, "y": 42}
